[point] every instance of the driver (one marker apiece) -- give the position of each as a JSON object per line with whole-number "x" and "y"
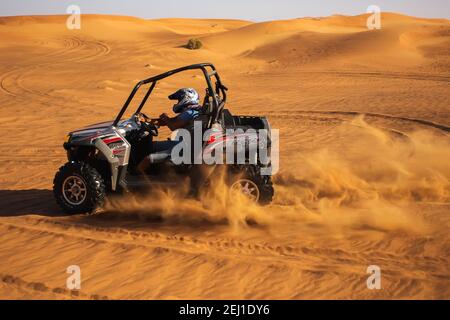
{"x": 187, "y": 109}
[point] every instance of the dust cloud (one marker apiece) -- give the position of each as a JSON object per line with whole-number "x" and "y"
{"x": 368, "y": 186}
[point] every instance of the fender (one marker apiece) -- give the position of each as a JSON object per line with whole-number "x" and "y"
{"x": 116, "y": 150}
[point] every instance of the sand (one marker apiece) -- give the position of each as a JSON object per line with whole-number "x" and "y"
{"x": 364, "y": 170}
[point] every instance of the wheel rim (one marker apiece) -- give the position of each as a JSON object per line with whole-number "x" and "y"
{"x": 246, "y": 187}
{"x": 74, "y": 190}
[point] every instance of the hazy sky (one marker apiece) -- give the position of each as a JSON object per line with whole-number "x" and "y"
{"x": 255, "y": 10}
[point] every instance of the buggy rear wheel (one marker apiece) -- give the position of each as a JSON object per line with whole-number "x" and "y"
{"x": 246, "y": 187}
{"x": 249, "y": 181}
{"x": 78, "y": 188}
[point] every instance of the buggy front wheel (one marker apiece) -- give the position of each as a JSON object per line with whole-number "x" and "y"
{"x": 78, "y": 188}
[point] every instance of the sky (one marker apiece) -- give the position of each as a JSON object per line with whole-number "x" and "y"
{"x": 254, "y": 10}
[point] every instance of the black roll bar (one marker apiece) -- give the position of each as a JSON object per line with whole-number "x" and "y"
{"x": 220, "y": 89}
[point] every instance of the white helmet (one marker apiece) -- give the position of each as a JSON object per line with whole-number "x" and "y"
{"x": 186, "y": 97}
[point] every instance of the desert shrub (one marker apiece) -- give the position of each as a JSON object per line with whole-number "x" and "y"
{"x": 194, "y": 44}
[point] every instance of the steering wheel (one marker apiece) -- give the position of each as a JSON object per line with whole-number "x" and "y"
{"x": 147, "y": 125}
{"x": 150, "y": 127}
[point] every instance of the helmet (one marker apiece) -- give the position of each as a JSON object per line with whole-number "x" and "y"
{"x": 186, "y": 97}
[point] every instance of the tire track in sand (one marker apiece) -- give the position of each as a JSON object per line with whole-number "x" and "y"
{"x": 40, "y": 287}
{"x": 384, "y": 75}
{"x": 312, "y": 265}
{"x": 264, "y": 252}
{"x": 12, "y": 80}
{"x": 70, "y": 44}
{"x": 423, "y": 122}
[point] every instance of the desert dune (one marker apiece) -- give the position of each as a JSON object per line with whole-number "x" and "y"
{"x": 364, "y": 118}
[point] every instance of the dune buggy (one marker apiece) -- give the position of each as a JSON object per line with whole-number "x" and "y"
{"x": 102, "y": 158}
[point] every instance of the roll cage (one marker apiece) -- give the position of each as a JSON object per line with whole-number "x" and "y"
{"x": 217, "y": 94}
